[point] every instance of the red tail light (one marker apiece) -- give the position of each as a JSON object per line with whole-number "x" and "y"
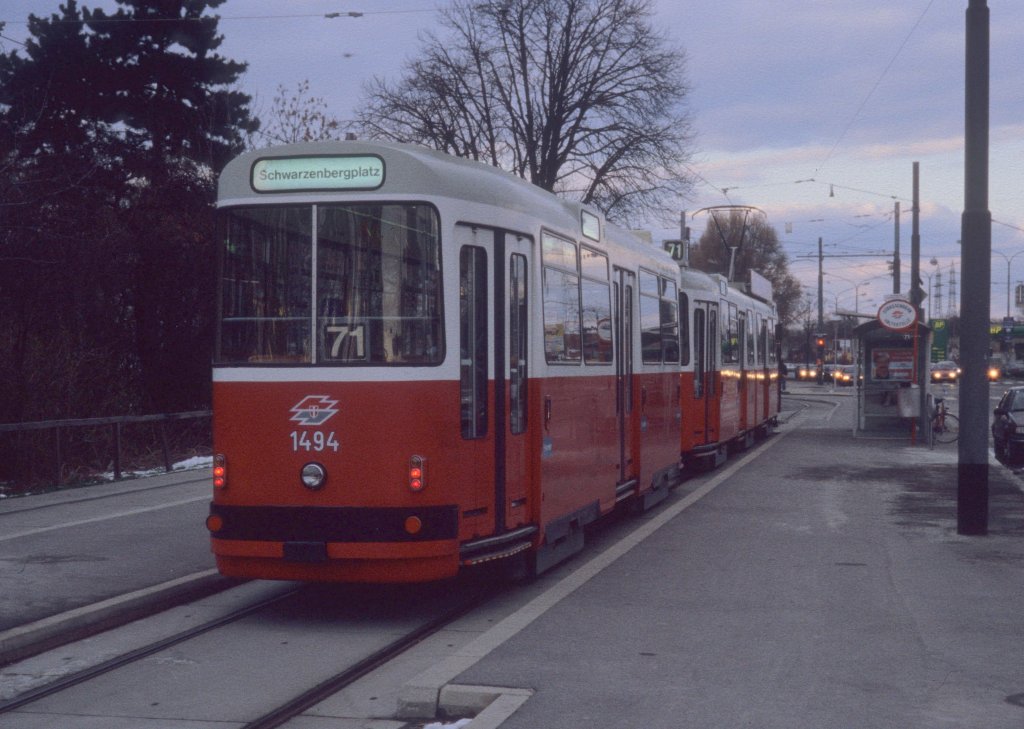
{"x": 220, "y": 471}
{"x": 417, "y": 473}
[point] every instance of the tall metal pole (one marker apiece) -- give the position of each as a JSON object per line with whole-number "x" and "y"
{"x": 915, "y": 243}
{"x": 821, "y": 313}
{"x": 821, "y": 287}
{"x": 896, "y": 250}
{"x": 976, "y": 235}
{"x": 922, "y": 350}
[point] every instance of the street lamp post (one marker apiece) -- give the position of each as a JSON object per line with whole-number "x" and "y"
{"x": 935, "y": 263}
{"x": 1008, "y": 262}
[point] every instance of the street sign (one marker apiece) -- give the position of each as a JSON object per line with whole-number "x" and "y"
{"x": 897, "y": 314}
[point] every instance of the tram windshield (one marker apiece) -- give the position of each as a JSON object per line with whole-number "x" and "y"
{"x": 367, "y": 291}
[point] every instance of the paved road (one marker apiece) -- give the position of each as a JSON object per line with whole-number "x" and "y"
{"x": 69, "y": 550}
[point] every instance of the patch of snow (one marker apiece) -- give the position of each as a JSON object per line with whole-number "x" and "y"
{"x": 189, "y": 464}
{"x": 457, "y": 725}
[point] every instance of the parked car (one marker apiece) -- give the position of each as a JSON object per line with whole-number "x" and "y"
{"x": 945, "y": 371}
{"x": 845, "y": 375}
{"x": 1013, "y": 369}
{"x": 1008, "y": 425}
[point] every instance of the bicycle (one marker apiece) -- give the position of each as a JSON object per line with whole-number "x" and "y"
{"x": 945, "y": 425}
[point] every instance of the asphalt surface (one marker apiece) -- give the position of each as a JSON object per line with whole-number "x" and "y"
{"x": 79, "y": 560}
{"x": 816, "y": 581}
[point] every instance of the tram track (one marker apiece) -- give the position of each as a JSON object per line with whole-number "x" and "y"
{"x": 303, "y": 605}
{"x": 350, "y": 675}
{"x": 137, "y": 654}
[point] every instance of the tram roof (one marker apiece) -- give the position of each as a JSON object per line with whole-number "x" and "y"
{"x": 413, "y": 170}
{"x": 410, "y": 170}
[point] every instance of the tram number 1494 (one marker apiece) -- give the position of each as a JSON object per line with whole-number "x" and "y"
{"x": 320, "y": 441}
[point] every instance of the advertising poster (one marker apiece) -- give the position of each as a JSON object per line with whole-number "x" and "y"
{"x": 892, "y": 365}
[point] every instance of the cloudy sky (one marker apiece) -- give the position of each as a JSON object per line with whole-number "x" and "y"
{"x": 812, "y": 111}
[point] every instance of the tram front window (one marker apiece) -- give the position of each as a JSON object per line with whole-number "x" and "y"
{"x": 374, "y": 298}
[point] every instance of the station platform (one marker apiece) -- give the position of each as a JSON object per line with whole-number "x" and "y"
{"x": 818, "y": 581}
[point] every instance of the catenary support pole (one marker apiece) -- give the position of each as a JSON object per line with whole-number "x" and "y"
{"x": 896, "y": 248}
{"x": 921, "y": 349}
{"x": 976, "y": 237}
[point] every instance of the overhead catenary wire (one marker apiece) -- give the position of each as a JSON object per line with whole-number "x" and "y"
{"x": 871, "y": 91}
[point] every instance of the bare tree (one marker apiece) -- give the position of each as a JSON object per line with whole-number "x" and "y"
{"x": 581, "y": 97}
{"x": 297, "y": 117}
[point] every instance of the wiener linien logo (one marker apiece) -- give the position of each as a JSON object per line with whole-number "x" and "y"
{"x": 314, "y": 410}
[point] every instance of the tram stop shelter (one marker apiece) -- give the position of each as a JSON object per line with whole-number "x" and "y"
{"x": 890, "y": 364}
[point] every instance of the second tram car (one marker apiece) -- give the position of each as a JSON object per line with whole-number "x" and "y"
{"x": 423, "y": 362}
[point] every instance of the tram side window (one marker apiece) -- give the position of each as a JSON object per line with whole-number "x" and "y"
{"x": 264, "y": 286}
{"x": 473, "y": 341}
{"x": 731, "y": 336}
{"x": 669, "y": 320}
{"x": 684, "y": 329}
{"x": 752, "y": 329}
{"x": 561, "y": 285}
{"x": 597, "y": 319}
{"x": 650, "y": 318}
{"x": 659, "y": 325}
{"x": 518, "y": 336}
{"x": 699, "y": 354}
{"x": 713, "y": 363}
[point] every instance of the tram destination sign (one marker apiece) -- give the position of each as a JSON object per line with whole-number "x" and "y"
{"x": 333, "y": 172}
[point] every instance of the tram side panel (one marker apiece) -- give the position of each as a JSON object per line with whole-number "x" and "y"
{"x": 579, "y": 452}
{"x": 660, "y": 422}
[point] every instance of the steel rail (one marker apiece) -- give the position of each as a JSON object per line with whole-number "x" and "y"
{"x": 325, "y": 689}
{"x": 138, "y": 654}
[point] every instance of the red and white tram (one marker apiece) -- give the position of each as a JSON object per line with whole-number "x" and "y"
{"x": 730, "y": 391}
{"x": 423, "y": 362}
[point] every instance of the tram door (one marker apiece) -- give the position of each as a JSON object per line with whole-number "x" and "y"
{"x": 748, "y": 369}
{"x": 494, "y": 356}
{"x": 706, "y": 387}
{"x": 623, "y": 288}
{"x": 513, "y": 305}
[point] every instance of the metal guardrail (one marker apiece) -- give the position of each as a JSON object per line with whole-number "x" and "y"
{"x": 116, "y": 423}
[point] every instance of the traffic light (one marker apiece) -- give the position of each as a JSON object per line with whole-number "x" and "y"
{"x": 819, "y": 342}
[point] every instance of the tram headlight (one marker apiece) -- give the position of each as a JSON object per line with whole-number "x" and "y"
{"x": 313, "y": 476}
